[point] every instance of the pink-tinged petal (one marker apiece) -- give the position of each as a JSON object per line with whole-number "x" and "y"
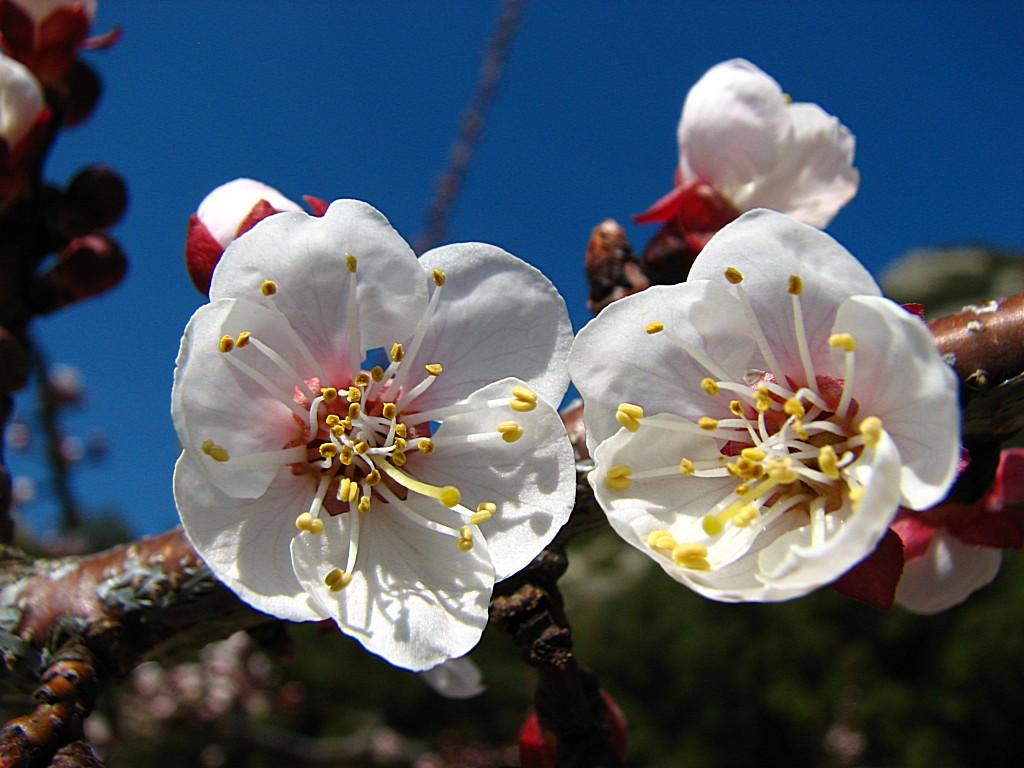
{"x": 947, "y": 573}
{"x": 614, "y": 359}
{"x": 246, "y": 542}
{"x": 214, "y": 400}
{"x": 802, "y": 560}
{"x": 874, "y": 579}
{"x": 815, "y": 176}
{"x": 497, "y": 316}
{"x": 307, "y": 257}
{"x": 532, "y": 480}
{"x": 732, "y": 123}
{"x": 902, "y": 379}
{"x": 415, "y": 598}
{"x": 455, "y": 679}
{"x": 767, "y": 248}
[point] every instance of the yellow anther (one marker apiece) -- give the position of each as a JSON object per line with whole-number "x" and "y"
{"x": 439, "y": 278}
{"x": 354, "y": 395}
{"x": 243, "y": 339}
{"x": 336, "y": 580}
{"x": 828, "y": 462}
{"x": 361, "y": 380}
{"x": 745, "y": 516}
{"x": 617, "y": 477}
{"x": 364, "y": 505}
{"x": 523, "y": 400}
{"x": 425, "y": 446}
{"x": 795, "y": 286}
{"x": 303, "y": 521}
{"x": 510, "y": 431}
{"x": 686, "y": 467}
{"x": 345, "y": 457}
{"x": 214, "y": 451}
{"x": 794, "y": 407}
{"x": 710, "y": 386}
{"x": 353, "y": 411}
{"x": 655, "y": 327}
{"x": 398, "y": 458}
{"x": 397, "y": 352}
{"x": 742, "y": 489}
{"x": 856, "y": 496}
{"x": 736, "y": 408}
{"x": 329, "y": 394}
{"x": 484, "y": 511}
{"x": 348, "y": 490}
{"x": 389, "y": 410}
{"x": 712, "y": 525}
{"x": 734, "y": 276}
{"x": 871, "y": 430}
{"x": 433, "y": 369}
{"x": 707, "y": 423}
{"x": 328, "y": 450}
{"x": 377, "y": 373}
{"x": 316, "y": 527}
{"x": 763, "y": 400}
{"x": 226, "y": 344}
{"x": 692, "y": 556}
{"x": 373, "y": 478}
{"x": 337, "y": 431}
{"x": 629, "y": 415}
{"x": 332, "y": 419}
{"x": 399, "y": 443}
{"x": 661, "y": 540}
{"x": 361, "y": 447}
{"x": 842, "y": 341}
{"x": 798, "y": 428}
{"x": 464, "y": 545}
{"x": 753, "y": 454}
{"x": 268, "y": 288}
{"x": 401, "y": 430}
{"x": 350, "y": 262}
{"x": 781, "y": 471}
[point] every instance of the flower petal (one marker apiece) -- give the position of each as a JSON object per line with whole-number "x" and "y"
{"x": 226, "y": 207}
{"x": 246, "y": 541}
{"x": 532, "y": 480}
{"x": 498, "y": 316}
{"x": 415, "y": 599}
{"x": 904, "y": 381}
{"x": 455, "y": 679}
{"x": 947, "y": 573}
{"x": 306, "y": 256}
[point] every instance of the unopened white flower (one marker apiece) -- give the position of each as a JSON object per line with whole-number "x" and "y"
{"x": 367, "y": 435}
{"x": 743, "y": 136}
{"x": 21, "y": 102}
{"x": 756, "y": 428}
{"x": 227, "y": 208}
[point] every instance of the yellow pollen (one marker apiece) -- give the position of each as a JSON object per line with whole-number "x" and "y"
{"x": 268, "y": 288}
{"x": 328, "y": 451}
{"x": 433, "y": 369}
{"x": 377, "y": 373}
{"x": 337, "y": 431}
{"x": 425, "y": 447}
{"x": 742, "y": 489}
{"x": 856, "y": 496}
{"x": 329, "y": 394}
{"x": 400, "y": 430}
{"x": 842, "y": 341}
{"x": 347, "y": 490}
{"x": 214, "y": 451}
{"x": 661, "y": 540}
{"x": 364, "y": 505}
{"x": 399, "y": 443}
{"x": 354, "y": 395}
{"x": 398, "y": 458}
{"x": 439, "y": 278}
{"x": 337, "y": 580}
{"x": 510, "y": 431}
{"x": 763, "y": 399}
{"x": 707, "y": 423}
{"x": 361, "y": 447}
{"x": 226, "y": 344}
{"x": 332, "y": 420}
{"x": 464, "y": 545}
{"x": 484, "y": 511}
{"x": 871, "y": 430}
{"x": 397, "y": 352}
{"x": 373, "y": 478}
{"x": 736, "y": 408}
{"x": 795, "y": 286}
{"x": 316, "y": 527}
{"x": 618, "y": 477}
{"x": 303, "y": 521}
{"x": 745, "y": 516}
{"x": 629, "y": 415}
{"x": 361, "y": 380}
{"x": 345, "y": 457}
{"x": 828, "y": 462}
{"x": 734, "y": 276}
{"x": 243, "y": 339}
{"x": 353, "y": 411}
{"x": 753, "y": 454}
{"x": 655, "y": 327}
{"x": 350, "y": 262}
{"x": 686, "y": 467}
{"x": 794, "y": 407}
{"x": 523, "y": 400}
{"x": 693, "y": 556}
{"x": 710, "y": 386}
{"x": 389, "y": 410}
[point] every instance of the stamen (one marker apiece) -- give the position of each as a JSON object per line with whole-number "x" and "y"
{"x": 397, "y": 353}
{"x": 707, "y": 423}
{"x": 755, "y": 327}
{"x": 433, "y": 369}
{"x": 268, "y": 288}
{"x": 629, "y": 415}
{"x": 465, "y": 541}
{"x": 795, "y": 288}
{"x": 617, "y": 477}
{"x": 439, "y": 277}
{"x": 287, "y": 399}
{"x": 355, "y": 347}
{"x": 686, "y": 467}
{"x": 871, "y": 430}
{"x": 828, "y": 462}
{"x": 484, "y": 511}
{"x": 710, "y": 386}
{"x": 846, "y": 342}
{"x": 226, "y": 344}
{"x": 523, "y": 400}
{"x": 448, "y": 495}
{"x": 425, "y": 446}
{"x": 655, "y": 327}
{"x": 693, "y": 556}
{"x": 337, "y": 581}
{"x": 214, "y": 451}
{"x": 243, "y": 339}
{"x": 510, "y": 431}
{"x": 733, "y": 275}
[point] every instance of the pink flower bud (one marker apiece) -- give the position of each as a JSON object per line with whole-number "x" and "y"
{"x": 227, "y": 212}
{"x": 45, "y": 35}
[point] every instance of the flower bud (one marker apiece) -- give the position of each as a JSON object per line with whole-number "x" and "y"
{"x": 94, "y": 199}
{"x": 21, "y": 109}
{"x": 45, "y": 35}
{"x": 89, "y": 266}
{"x": 227, "y": 212}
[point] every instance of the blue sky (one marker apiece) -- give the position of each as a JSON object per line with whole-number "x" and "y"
{"x": 362, "y": 99}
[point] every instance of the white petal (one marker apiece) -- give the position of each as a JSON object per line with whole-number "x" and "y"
{"x": 795, "y": 561}
{"x": 902, "y": 379}
{"x": 732, "y": 123}
{"x": 246, "y": 542}
{"x": 498, "y": 316}
{"x": 415, "y": 599}
{"x": 614, "y": 360}
{"x": 946, "y": 574}
{"x": 213, "y": 400}
{"x": 532, "y": 480}
{"x": 306, "y": 256}
{"x": 456, "y": 679}
{"x": 226, "y": 207}
{"x": 21, "y": 101}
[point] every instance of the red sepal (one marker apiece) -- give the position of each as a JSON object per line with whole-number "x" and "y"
{"x": 874, "y": 579}
{"x": 317, "y": 206}
{"x": 202, "y": 252}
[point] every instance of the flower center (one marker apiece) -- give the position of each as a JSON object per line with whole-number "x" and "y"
{"x": 790, "y": 448}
